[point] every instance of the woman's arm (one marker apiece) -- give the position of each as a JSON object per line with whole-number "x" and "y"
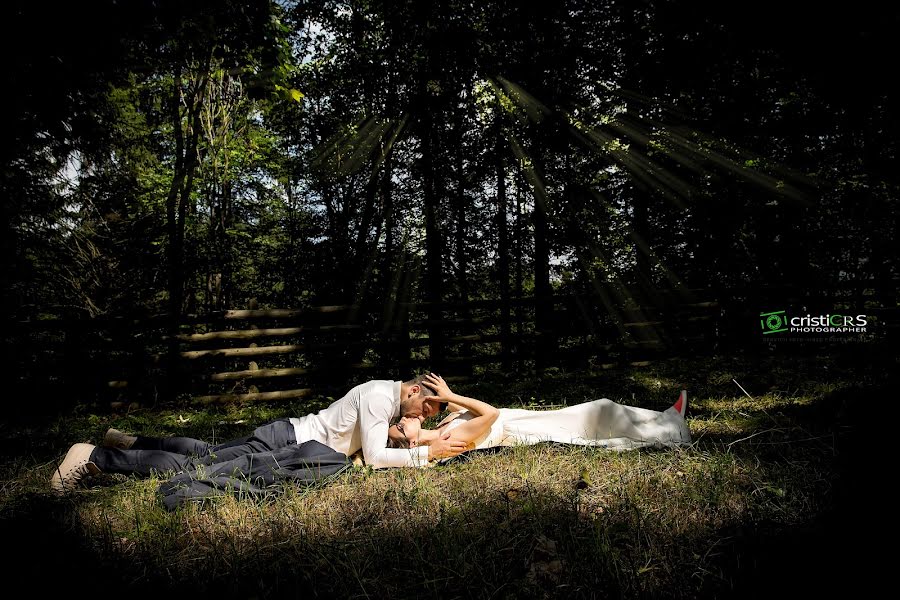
{"x": 474, "y": 429}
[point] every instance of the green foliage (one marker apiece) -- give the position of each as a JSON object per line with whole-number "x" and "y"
{"x": 328, "y": 133}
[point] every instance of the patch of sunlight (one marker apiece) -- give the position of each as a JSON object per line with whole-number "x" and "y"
{"x": 654, "y": 381}
{"x": 743, "y": 403}
{"x": 727, "y": 424}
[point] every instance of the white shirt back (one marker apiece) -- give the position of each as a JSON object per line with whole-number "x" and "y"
{"x": 360, "y": 419}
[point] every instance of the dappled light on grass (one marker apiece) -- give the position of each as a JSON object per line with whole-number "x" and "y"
{"x": 621, "y": 519}
{"x": 528, "y": 521}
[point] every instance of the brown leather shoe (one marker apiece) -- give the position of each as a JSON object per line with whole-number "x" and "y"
{"x": 116, "y": 439}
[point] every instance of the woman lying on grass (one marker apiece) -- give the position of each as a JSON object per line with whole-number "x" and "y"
{"x": 601, "y": 423}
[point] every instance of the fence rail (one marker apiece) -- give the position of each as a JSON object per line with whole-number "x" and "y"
{"x": 216, "y": 358}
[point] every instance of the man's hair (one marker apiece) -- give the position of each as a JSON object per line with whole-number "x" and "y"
{"x": 420, "y": 379}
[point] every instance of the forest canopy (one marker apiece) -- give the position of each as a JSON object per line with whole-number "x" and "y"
{"x": 185, "y": 157}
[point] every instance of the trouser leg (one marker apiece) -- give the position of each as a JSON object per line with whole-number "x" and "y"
{"x": 265, "y": 438}
{"x": 179, "y": 454}
{"x": 178, "y": 445}
{"x": 138, "y": 462}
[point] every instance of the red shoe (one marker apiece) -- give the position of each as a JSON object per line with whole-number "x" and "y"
{"x": 680, "y": 405}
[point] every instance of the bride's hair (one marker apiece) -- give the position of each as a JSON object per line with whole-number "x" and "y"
{"x": 397, "y": 443}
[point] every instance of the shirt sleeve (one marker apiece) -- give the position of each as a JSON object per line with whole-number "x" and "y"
{"x": 375, "y": 411}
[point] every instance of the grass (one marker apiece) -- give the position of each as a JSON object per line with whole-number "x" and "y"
{"x": 758, "y": 496}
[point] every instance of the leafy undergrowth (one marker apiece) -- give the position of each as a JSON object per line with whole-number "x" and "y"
{"x": 752, "y": 507}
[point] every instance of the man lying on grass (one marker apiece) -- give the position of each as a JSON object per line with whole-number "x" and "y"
{"x": 277, "y": 453}
{"x": 358, "y": 421}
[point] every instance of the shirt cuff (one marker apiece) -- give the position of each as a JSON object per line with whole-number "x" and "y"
{"x": 420, "y": 457}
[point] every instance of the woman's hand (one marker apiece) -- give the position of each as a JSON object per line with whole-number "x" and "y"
{"x": 440, "y": 387}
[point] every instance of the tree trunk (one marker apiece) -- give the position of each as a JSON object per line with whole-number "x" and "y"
{"x": 542, "y": 289}
{"x": 520, "y": 238}
{"x": 433, "y": 246}
{"x": 172, "y": 199}
{"x": 174, "y": 238}
{"x": 365, "y": 256}
{"x": 462, "y": 262}
{"x": 503, "y": 257}
{"x": 179, "y": 197}
{"x": 640, "y": 226}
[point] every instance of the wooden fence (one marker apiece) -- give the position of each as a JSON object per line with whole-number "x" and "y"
{"x": 287, "y": 353}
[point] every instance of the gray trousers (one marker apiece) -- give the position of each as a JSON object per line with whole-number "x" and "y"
{"x": 157, "y": 455}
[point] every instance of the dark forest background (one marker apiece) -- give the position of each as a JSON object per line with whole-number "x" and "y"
{"x": 188, "y": 157}
{"x": 576, "y": 168}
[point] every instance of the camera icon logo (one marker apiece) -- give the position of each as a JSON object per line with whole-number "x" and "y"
{"x": 773, "y": 322}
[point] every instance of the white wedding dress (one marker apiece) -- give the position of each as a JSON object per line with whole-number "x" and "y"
{"x": 602, "y": 423}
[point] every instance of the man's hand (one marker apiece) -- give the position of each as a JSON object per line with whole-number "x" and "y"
{"x": 444, "y": 447}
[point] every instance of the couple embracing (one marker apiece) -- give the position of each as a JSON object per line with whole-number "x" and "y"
{"x": 382, "y": 419}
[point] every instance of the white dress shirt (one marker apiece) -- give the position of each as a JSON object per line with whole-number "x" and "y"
{"x": 360, "y": 420}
